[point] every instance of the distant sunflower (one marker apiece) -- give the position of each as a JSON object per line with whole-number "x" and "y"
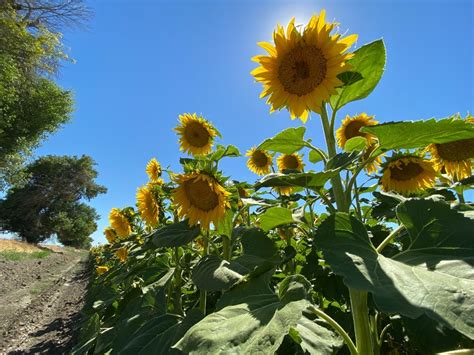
{"x": 301, "y": 69}
{"x": 122, "y": 254}
{"x": 284, "y": 190}
{"x": 259, "y": 162}
{"x": 290, "y": 162}
{"x": 350, "y": 128}
{"x": 153, "y": 169}
{"x": 147, "y": 206}
{"x": 110, "y": 235}
{"x": 407, "y": 174}
{"x": 454, "y": 157}
{"x": 101, "y": 269}
{"x": 119, "y": 222}
{"x": 196, "y": 134}
{"x": 200, "y": 198}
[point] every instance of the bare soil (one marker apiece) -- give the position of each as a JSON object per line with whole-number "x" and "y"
{"x": 40, "y": 301}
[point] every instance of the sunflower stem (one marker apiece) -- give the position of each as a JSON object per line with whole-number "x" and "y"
{"x": 359, "y": 307}
{"x": 178, "y": 308}
{"x": 202, "y": 293}
{"x": 388, "y": 240}
{"x": 335, "y": 325}
{"x": 226, "y": 248}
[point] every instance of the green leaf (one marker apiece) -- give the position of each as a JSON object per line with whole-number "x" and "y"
{"x": 308, "y": 180}
{"x": 224, "y": 151}
{"x": 174, "y": 235}
{"x": 314, "y": 156}
{"x": 274, "y": 217}
{"x": 225, "y": 225}
{"x": 419, "y": 134}
{"x": 432, "y": 277}
{"x": 316, "y": 338}
{"x": 287, "y": 141}
{"x": 357, "y": 144}
{"x": 367, "y": 67}
{"x": 255, "y": 242}
{"x": 214, "y": 274}
{"x": 342, "y": 160}
{"x": 256, "y": 326}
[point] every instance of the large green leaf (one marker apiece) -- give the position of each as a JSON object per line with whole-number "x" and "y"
{"x": 432, "y": 277}
{"x": 287, "y": 141}
{"x": 256, "y": 326}
{"x": 275, "y": 216}
{"x": 309, "y": 180}
{"x": 419, "y": 134}
{"x": 316, "y": 339}
{"x": 174, "y": 235}
{"x": 367, "y": 67}
{"x": 214, "y": 274}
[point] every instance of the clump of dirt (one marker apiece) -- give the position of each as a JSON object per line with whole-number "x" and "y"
{"x": 40, "y": 301}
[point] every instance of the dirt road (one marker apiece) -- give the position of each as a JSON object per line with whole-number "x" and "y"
{"x": 40, "y": 301}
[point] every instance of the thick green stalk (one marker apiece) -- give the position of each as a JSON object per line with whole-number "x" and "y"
{"x": 226, "y": 248}
{"x": 359, "y": 308}
{"x": 360, "y": 316}
{"x": 202, "y": 293}
{"x": 178, "y": 308}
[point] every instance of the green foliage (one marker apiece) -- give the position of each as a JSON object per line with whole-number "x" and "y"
{"x": 432, "y": 277}
{"x": 274, "y": 217}
{"x": 287, "y": 141}
{"x": 49, "y": 202}
{"x": 31, "y": 105}
{"x": 17, "y": 255}
{"x": 419, "y": 134}
{"x": 366, "y": 70}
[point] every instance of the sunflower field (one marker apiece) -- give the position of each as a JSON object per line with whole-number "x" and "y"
{"x": 367, "y": 248}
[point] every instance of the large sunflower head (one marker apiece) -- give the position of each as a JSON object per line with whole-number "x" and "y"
{"x": 147, "y": 206}
{"x": 454, "y": 157}
{"x": 290, "y": 162}
{"x": 196, "y": 134}
{"x": 200, "y": 198}
{"x": 350, "y": 128}
{"x": 119, "y": 222}
{"x": 110, "y": 235}
{"x": 153, "y": 169}
{"x": 301, "y": 68}
{"x": 259, "y": 162}
{"x": 407, "y": 174}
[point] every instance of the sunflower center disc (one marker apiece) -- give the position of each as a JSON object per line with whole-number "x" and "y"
{"x": 291, "y": 162}
{"x": 352, "y": 130}
{"x": 196, "y": 134}
{"x": 259, "y": 159}
{"x": 404, "y": 171}
{"x": 455, "y": 151}
{"x": 302, "y": 69}
{"x": 201, "y": 195}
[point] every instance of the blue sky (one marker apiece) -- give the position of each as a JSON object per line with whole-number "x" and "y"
{"x": 142, "y": 63}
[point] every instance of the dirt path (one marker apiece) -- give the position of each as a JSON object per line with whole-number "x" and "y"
{"x": 40, "y": 301}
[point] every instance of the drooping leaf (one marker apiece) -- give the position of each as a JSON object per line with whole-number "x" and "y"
{"x": 287, "y": 141}
{"x": 308, "y": 180}
{"x": 433, "y": 276}
{"x": 356, "y": 144}
{"x": 262, "y": 322}
{"x": 214, "y": 274}
{"x": 314, "y": 156}
{"x": 419, "y": 134}
{"x": 174, "y": 235}
{"x": 316, "y": 338}
{"x": 225, "y": 225}
{"x": 342, "y": 160}
{"x": 366, "y": 69}
{"x": 275, "y": 216}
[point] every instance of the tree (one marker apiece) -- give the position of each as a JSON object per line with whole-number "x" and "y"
{"x": 50, "y": 201}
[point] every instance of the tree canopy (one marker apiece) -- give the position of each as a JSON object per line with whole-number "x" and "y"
{"x": 50, "y": 202}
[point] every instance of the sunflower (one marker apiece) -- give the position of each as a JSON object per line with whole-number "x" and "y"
{"x": 301, "y": 69}
{"x": 259, "y": 162}
{"x": 147, "y": 206}
{"x": 373, "y": 166}
{"x": 406, "y": 174}
{"x": 350, "y": 128}
{"x": 454, "y": 157}
{"x": 122, "y": 254}
{"x": 101, "y": 269}
{"x": 119, "y": 223}
{"x": 110, "y": 235}
{"x": 284, "y": 190}
{"x": 196, "y": 134}
{"x": 200, "y": 198}
{"x": 153, "y": 169}
{"x": 290, "y": 162}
